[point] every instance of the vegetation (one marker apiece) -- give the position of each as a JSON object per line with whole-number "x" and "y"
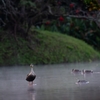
{"x": 77, "y": 18}
{"x": 79, "y": 28}
{"x": 45, "y": 47}
{"x": 82, "y": 22}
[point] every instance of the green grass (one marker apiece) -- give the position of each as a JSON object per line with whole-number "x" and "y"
{"x": 45, "y": 47}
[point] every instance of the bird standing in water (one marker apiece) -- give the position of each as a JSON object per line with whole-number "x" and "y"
{"x": 31, "y": 76}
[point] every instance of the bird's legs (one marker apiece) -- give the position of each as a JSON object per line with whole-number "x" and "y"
{"x": 31, "y": 83}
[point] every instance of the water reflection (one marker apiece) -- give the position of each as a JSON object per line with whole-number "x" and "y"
{"x": 32, "y": 92}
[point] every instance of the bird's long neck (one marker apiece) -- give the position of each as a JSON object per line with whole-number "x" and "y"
{"x": 32, "y": 71}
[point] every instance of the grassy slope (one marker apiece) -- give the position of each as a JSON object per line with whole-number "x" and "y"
{"x": 47, "y": 48}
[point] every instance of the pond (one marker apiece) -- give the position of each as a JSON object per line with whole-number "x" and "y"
{"x": 53, "y": 82}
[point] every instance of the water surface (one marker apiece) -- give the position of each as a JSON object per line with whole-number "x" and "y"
{"x": 53, "y": 82}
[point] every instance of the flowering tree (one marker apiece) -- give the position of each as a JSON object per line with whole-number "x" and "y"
{"x": 78, "y": 18}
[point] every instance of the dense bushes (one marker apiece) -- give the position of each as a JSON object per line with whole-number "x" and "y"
{"x": 79, "y": 28}
{"x": 75, "y": 17}
{"x": 81, "y": 22}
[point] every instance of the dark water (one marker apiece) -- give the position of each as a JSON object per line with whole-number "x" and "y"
{"x": 53, "y": 82}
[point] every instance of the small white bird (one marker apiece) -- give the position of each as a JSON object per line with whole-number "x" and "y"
{"x": 31, "y": 76}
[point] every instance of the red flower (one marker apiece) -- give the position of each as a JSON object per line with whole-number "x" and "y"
{"x": 71, "y": 5}
{"x": 84, "y": 18}
{"x": 61, "y": 18}
{"x": 77, "y": 11}
{"x": 47, "y": 23}
{"x": 59, "y": 3}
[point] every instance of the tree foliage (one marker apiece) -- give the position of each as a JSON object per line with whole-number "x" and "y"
{"x": 18, "y": 16}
